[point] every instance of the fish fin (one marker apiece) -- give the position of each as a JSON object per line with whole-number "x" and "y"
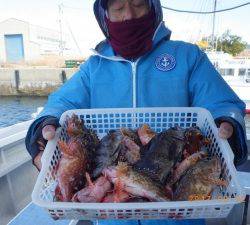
{"x": 64, "y": 148}
{"x": 89, "y": 181}
{"x": 117, "y": 150}
{"x": 58, "y": 194}
{"x": 118, "y": 188}
{"x": 123, "y": 132}
{"x": 171, "y": 151}
{"x": 218, "y": 182}
{"x": 206, "y": 141}
{"x": 75, "y": 198}
{"x": 148, "y": 173}
{"x": 169, "y": 192}
{"x": 122, "y": 168}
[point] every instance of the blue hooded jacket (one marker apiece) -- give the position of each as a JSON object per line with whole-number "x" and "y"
{"x": 172, "y": 74}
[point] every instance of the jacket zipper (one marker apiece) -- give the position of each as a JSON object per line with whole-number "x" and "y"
{"x": 134, "y": 83}
{"x": 134, "y": 67}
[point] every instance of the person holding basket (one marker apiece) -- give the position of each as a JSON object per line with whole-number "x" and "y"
{"x": 137, "y": 65}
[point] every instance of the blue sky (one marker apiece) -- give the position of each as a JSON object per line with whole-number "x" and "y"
{"x": 187, "y": 27}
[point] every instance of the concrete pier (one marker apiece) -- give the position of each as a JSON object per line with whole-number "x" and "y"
{"x": 32, "y": 81}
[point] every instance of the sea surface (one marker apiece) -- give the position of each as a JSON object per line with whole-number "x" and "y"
{"x": 18, "y": 109}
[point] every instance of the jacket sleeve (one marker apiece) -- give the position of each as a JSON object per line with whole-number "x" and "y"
{"x": 74, "y": 94}
{"x": 209, "y": 90}
{"x": 35, "y": 133}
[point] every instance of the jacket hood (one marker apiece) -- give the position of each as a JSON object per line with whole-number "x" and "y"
{"x": 99, "y": 12}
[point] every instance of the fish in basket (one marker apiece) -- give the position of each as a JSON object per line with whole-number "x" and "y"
{"x": 139, "y": 162}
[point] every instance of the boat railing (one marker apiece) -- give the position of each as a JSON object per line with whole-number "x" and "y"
{"x": 12, "y": 149}
{"x": 17, "y": 174}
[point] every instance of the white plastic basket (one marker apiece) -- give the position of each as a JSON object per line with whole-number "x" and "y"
{"x": 103, "y": 120}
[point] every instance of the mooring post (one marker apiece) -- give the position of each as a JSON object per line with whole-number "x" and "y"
{"x": 17, "y": 79}
{"x": 63, "y": 76}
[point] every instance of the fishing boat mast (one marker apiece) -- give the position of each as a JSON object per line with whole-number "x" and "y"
{"x": 214, "y": 42}
{"x": 60, "y": 8}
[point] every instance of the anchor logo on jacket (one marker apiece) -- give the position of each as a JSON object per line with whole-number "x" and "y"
{"x": 165, "y": 62}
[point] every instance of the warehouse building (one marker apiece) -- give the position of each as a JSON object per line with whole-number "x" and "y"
{"x": 21, "y": 41}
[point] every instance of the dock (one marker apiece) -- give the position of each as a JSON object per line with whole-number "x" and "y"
{"x": 32, "y": 81}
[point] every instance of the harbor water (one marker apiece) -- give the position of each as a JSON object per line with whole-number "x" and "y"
{"x": 18, "y": 109}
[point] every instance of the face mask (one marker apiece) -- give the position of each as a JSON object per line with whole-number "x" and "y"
{"x": 132, "y": 38}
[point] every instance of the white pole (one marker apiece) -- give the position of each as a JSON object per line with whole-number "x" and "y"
{"x": 213, "y": 32}
{"x": 60, "y": 7}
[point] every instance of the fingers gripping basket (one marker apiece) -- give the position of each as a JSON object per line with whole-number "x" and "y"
{"x": 103, "y": 120}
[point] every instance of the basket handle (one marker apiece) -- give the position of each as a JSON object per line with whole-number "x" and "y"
{"x": 50, "y": 145}
{"x": 230, "y": 151}
{"x": 244, "y": 180}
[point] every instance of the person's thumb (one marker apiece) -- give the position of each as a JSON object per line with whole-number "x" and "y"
{"x": 225, "y": 130}
{"x": 49, "y": 132}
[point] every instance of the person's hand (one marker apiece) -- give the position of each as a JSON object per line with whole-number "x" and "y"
{"x": 225, "y": 130}
{"x": 48, "y": 133}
